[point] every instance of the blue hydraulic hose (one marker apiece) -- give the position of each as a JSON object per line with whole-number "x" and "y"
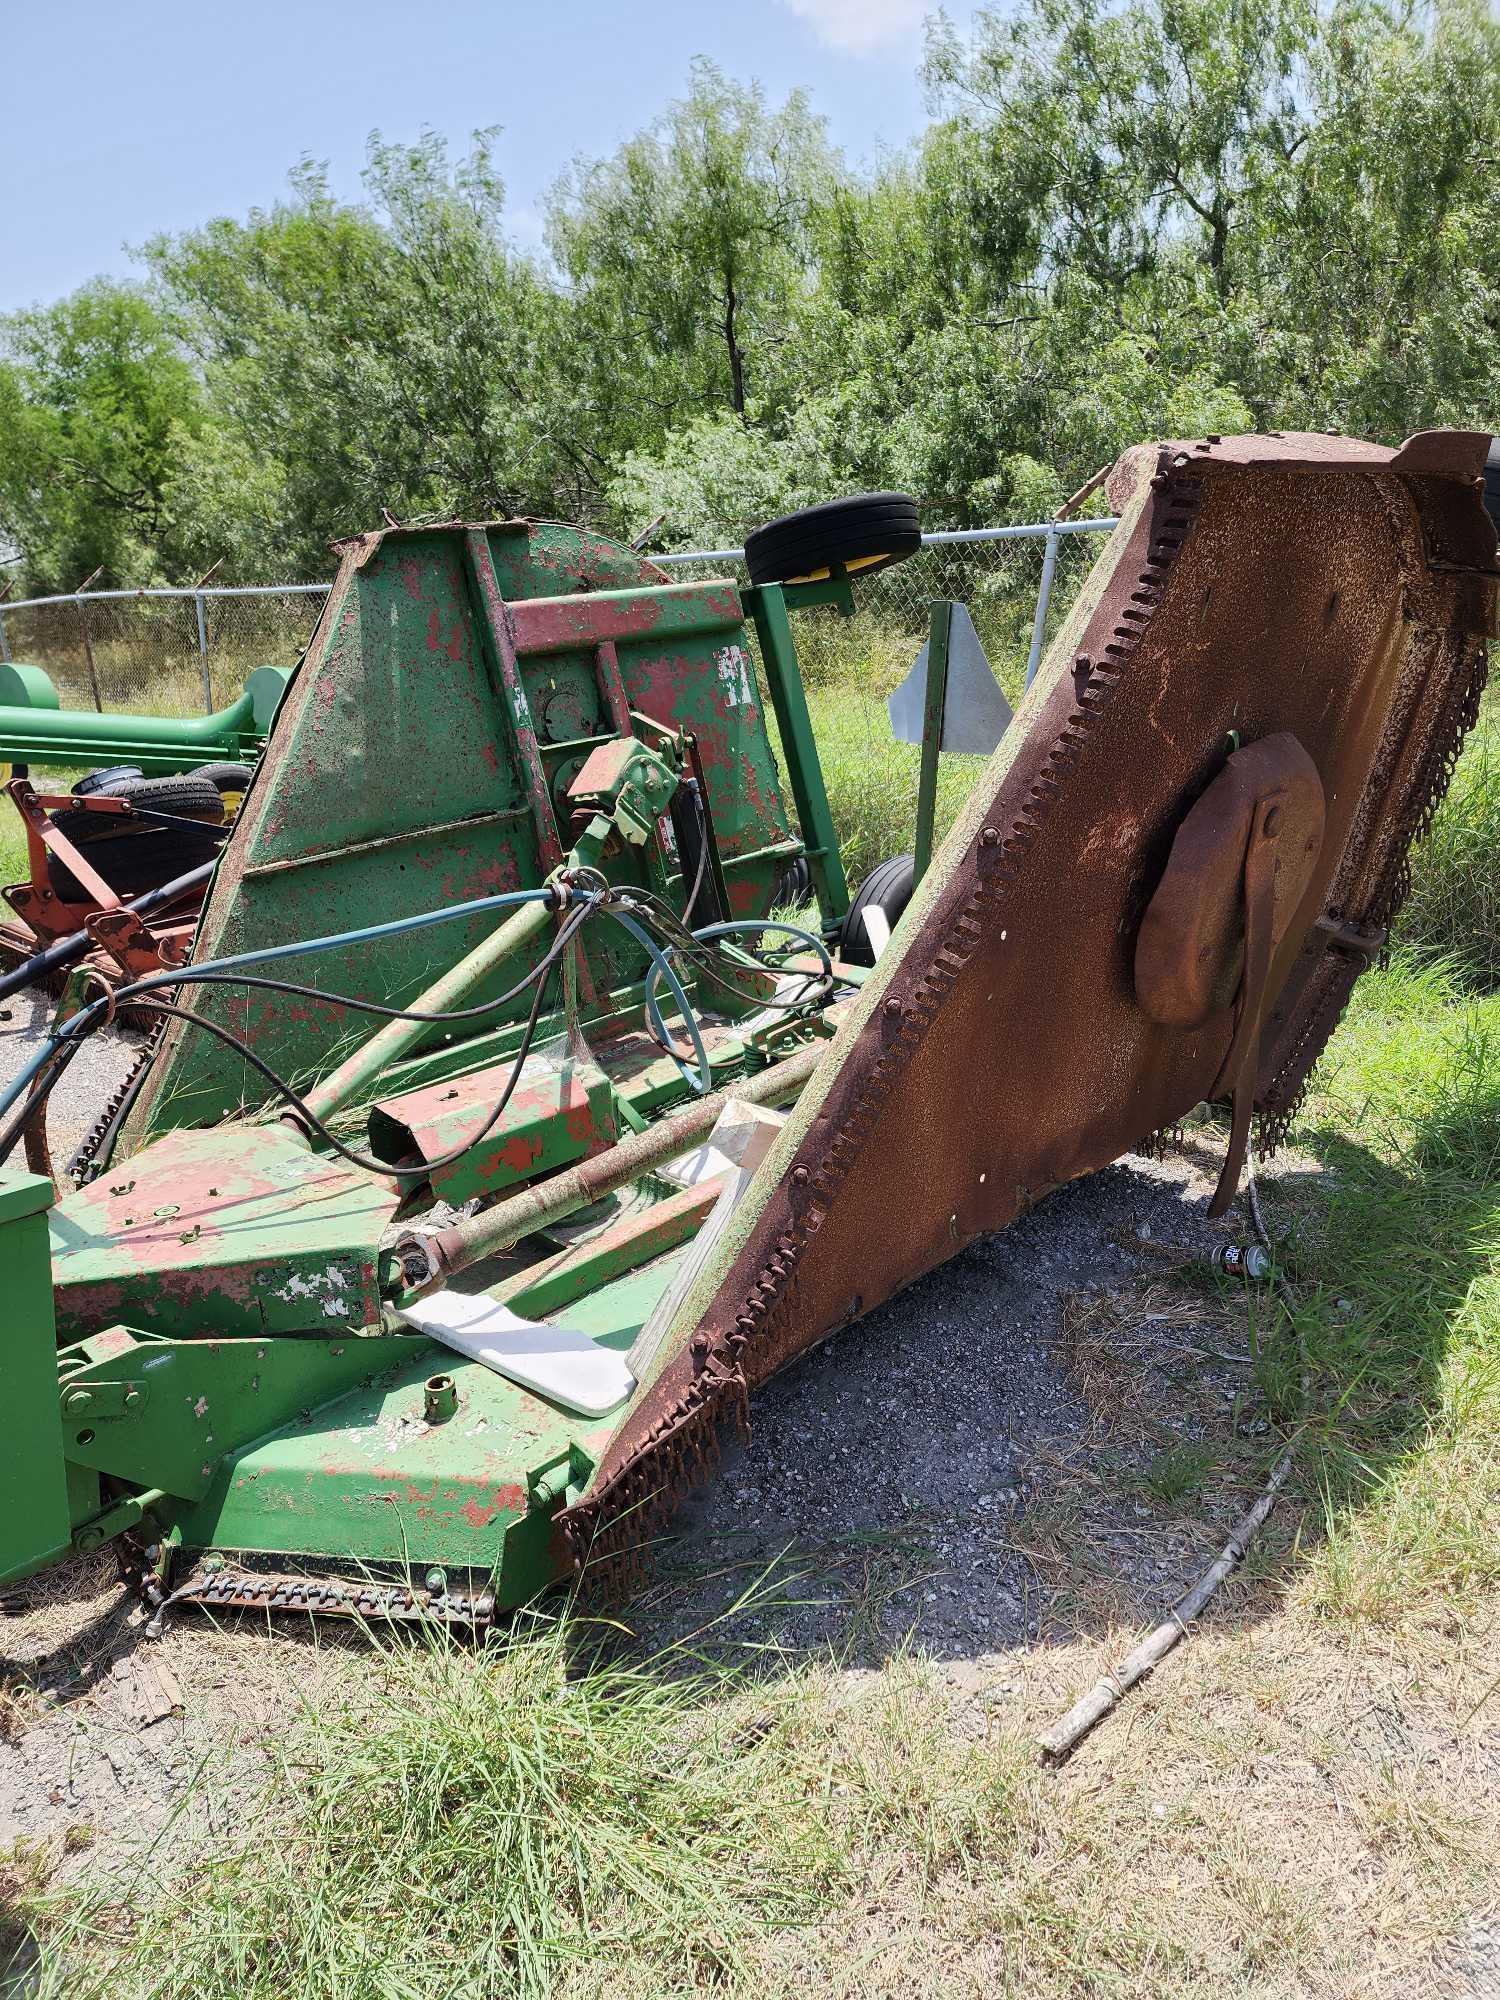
{"x": 659, "y": 967}
{"x": 708, "y": 932}
{"x": 84, "y": 1019}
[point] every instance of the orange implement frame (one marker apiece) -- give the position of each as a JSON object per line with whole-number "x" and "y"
{"x": 124, "y": 940}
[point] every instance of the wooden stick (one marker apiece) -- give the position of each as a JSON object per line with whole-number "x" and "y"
{"x": 1103, "y": 1696}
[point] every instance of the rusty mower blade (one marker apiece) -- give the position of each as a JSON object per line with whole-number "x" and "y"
{"x": 1163, "y": 889}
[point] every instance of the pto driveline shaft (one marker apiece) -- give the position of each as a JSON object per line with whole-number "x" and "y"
{"x": 424, "y": 1261}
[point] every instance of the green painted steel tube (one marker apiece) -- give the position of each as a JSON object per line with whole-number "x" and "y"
{"x": 495, "y": 1229}
{"x": 933, "y": 711}
{"x": 158, "y": 744}
{"x": 362, "y": 1069}
{"x": 778, "y": 652}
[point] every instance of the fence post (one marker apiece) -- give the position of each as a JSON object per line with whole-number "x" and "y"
{"x": 1043, "y": 599}
{"x": 208, "y": 692}
{"x": 88, "y": 654}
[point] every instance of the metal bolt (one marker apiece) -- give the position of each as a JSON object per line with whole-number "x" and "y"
{"x": 88, "y": 1538}
{"x": 800, "y": 1176}
{"x": 132, "y": 1399}
{"x": 437, "y": 1582}
{"x": 77, "y": 1399}
{"x": 989, "y": 836}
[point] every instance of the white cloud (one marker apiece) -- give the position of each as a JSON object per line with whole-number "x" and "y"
{"x": 858, "y": 27}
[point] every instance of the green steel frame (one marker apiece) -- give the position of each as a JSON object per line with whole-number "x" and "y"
{"x": 477, "y": 706}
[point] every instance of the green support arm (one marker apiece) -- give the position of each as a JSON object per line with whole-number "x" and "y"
{"x": 767, "y": 605}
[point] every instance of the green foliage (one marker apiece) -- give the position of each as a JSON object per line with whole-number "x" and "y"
{"x": 365, "y": 358}
{"x": 714, "y": 474}
{"x": 94, "y": 400}
{"x": 687, "y": 257}
{"x": 1154, "y": 218}
{"x": 1453, "y": 913}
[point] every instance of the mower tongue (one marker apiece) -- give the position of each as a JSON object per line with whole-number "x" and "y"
{"x": 1163, "y": 888}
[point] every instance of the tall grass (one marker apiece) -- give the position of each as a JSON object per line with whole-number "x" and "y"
{"x": 1399, "y": 1333}
{"x": 513, "y": 1824}
{"x": 1454, "y": 910}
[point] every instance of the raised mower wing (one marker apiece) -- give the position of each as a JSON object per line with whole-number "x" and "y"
{"x": 1297, "y": 586}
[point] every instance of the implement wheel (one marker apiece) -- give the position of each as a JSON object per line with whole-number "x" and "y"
{"x": 887, "y": 888}
{"x": 867, "y": 532}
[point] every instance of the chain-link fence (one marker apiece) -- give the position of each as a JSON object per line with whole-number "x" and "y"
{"x": 1017, "y": 582}
{"x": 159, "y": 652}
{"x": 168, "y": 652}
{"x": 177, "y": 652}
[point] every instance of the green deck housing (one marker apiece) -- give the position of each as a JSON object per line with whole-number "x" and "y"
{"x": 230, "y": 1377}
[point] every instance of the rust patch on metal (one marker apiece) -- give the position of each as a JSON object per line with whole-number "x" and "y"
{"x": 1307, "y": 585}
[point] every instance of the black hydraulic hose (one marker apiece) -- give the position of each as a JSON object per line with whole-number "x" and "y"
{"x": 702, "y": 868}
{"x": 68, "y": 950}
{"x": 539, "y": 977}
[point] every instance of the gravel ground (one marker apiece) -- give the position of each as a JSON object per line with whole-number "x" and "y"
{"x": 895, "y": 1455}
{"x": 875, "y": 1507}
{"x": 100, "y": 1066}
{"x": 876, "y": 1491}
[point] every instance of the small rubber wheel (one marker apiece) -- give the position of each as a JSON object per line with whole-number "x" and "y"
{"x": 105, "y": 780}
{"x": 793, "y": 885}
{"x": 192, "y": 797}
{"x": 864, "y": 533}
{"x": 224, "y": 777}
{"x": 887, "y": 889}
{"x": 135, "y": 862}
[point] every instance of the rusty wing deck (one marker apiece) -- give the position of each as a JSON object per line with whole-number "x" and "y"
{"x": 1309, "y": 585}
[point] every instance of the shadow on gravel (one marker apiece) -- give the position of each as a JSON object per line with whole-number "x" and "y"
{"x": 1050, "y": 1437}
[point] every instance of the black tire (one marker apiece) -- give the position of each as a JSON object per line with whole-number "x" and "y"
{"x": 224, "y": 777}
{"x": 793, "y": 889}
{"x": 105, "y": 780}
{"x": 887, "y": 889}
{"x": 192, "y": 797}
{"x": 864, "y": 533}
{"x": 135, "y": 862}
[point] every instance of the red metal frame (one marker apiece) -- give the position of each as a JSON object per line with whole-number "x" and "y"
{"x": 133, "y": 945}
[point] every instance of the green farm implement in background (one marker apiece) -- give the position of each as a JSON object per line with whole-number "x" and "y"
{"x": 36, "y": 729}
{"x": 536, "y": 1088}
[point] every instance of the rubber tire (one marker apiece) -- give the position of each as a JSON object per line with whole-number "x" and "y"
{"x": 793, "y": 889}
{"x": 224, "y": 777}
{"x": 102, "y": 781}
{"x": 192, "y": 797}
{"x": 887, "y": 888}
{"x": 135, "y": 862}
{"x": 866, "y": 533}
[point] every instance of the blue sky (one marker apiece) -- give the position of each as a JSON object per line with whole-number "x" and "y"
{"x": 120, "y": 120}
